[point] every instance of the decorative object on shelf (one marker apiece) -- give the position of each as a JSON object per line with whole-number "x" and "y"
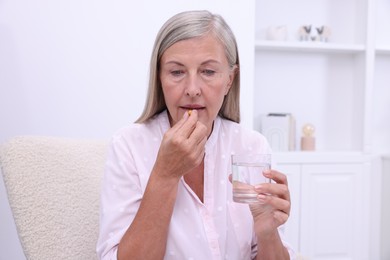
{"x": 279, "y": 129}
{"x": 308, "y": 141}
{"x": 277, "y": 33}
{"x": 324, "y": 33}
{"x": 304, "y": 33}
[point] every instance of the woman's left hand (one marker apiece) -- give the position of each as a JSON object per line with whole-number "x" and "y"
{"x": 273, "y": 208}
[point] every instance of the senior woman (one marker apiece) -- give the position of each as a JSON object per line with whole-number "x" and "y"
{"x": 166, "y": 192}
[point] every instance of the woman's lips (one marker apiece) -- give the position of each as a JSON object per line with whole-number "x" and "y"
{"x": 192, "y": 107}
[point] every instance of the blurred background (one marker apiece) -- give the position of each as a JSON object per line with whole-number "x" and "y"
{"x": 79, "y": 69}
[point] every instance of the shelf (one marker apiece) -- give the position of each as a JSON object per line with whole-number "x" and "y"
{"x": 319, "y": 157}
{"x": 386, "y": 156}
{"x": 318, "y": 47}
{"x": 383, "y": 49}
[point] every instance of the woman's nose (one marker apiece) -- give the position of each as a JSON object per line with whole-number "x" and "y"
{"x": 193, "y": 86}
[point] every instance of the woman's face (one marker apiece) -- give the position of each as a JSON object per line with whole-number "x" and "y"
{"x": 195, "y": 74}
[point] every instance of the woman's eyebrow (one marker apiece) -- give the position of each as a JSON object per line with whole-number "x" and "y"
{"x": 173, "y": 62}
{"x": 210, "y": 61}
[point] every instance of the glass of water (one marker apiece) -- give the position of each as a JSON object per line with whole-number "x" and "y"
{"x": 247, "y": 172}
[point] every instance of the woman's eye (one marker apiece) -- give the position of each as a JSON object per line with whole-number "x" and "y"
{"x": 208, "y": 72}
{"x": 177, "y": 72}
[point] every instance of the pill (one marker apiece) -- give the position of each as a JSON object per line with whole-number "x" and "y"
{"x": 189, "y": 112}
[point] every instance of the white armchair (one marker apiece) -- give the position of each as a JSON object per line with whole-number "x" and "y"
{"x": 53, "y": 187}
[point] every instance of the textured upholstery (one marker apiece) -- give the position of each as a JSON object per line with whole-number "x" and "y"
{"x": 53, "y": 187}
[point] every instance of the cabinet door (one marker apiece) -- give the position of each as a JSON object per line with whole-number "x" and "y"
{"x": 291, "y": 228}
{"x": 332, "y": 212}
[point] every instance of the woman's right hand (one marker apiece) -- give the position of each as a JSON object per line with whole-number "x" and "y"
{"x": 182, "y": 147}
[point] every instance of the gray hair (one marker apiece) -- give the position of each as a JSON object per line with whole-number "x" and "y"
{"x": 187, "y": 25}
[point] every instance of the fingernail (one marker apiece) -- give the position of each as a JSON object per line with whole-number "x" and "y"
{"x": 261, "y": 198}
{"x": 185, "y": 115}
{"x": 258, "y": 187}
{"x": 193, "y": 111}
{"x": 267, "y": 173}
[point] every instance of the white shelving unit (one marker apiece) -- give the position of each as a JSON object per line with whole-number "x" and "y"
{"x": 385, "y": 230}
{"x": 342, "y": 87}
{"x": 381, "y": 113}
{"x": 327, "y": 83}
{"x": 316, "y": 47}
{"x": 381, "y": 79}
{"x": 383, "y": 50}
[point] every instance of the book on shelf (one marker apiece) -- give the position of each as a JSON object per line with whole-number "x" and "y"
{"x": 279, "y": 129}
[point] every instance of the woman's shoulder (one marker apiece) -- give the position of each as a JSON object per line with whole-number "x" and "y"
{"x": 241, "y": 138}
{"x": 129, "y": 129}
{"x": 139, "y": 131}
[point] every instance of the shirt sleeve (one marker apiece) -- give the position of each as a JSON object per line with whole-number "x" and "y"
{"x": 289, "y": 248}
{"x": 121, "y": 195}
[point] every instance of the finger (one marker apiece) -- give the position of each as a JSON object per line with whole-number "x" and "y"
{"x": 275, "y": 202}
{"x": 175, "y": 129}
{"x": 196, "y": 143}
{"x": 281, "y": 179}
{"x": 199, "y": 133}
{"x": 187, "y": 127}
{"x": 202, "y": 143}
{"x": 281, "y": 217}
{"x": 200, "y": 146}
{"x": 276, "y": 176}
{"x": 275, "y": 189}
{"x": 180, "y": 123}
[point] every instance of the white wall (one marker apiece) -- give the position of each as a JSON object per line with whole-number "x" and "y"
{"x": 79, "y": 69}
